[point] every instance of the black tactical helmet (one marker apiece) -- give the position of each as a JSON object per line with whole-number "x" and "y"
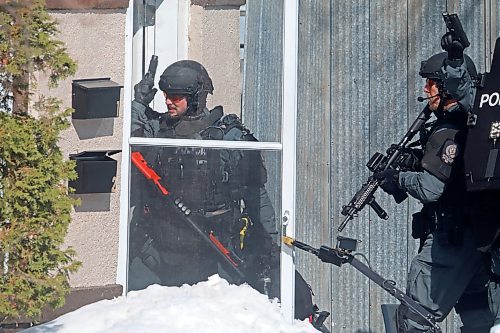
{"x": 431, "y": 68}
{"x": 190, "y": 78}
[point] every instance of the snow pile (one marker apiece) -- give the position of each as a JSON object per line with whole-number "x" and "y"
{"x": 209, "y": 306}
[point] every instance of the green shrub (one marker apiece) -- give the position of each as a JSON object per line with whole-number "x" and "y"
{"x": 34, "y": 203}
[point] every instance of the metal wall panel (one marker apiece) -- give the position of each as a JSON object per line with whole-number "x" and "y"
{"x": 493, "y": 28}
{"x": 358, "y": 85}
{"x": 350, "y": 56}
{"x": 313, "y": 144}
{"x": 388, "y": 121}
{"x": 262, "y": 86}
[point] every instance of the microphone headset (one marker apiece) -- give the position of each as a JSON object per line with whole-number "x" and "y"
{"x": 421, "y": 99}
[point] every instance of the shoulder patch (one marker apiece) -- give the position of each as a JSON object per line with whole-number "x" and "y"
{"x": 449, "y": 152}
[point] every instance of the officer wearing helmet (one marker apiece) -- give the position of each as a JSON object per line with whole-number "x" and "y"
{"x": 185, "y": 85}
{"x": 448, "y": 271}
{"x": 224, "y": 188}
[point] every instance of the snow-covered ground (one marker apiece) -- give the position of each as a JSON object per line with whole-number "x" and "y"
{"x": 209, "y": 306}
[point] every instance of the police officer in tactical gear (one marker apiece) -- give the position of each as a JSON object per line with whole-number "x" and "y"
{"x": 448, "y": 271}
{"x": 225, "y": 189}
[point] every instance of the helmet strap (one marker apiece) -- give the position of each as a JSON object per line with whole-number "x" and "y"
{"x": 442, "y": 97}
{"x": 192, "y": 102}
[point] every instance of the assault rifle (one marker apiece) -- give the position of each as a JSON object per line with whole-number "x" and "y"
{"x": 230, "y": 261}
{"x": 377, "y": 163}
{"x": 342, "y": 254}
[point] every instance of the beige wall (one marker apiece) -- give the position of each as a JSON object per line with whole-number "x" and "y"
{"x": 214, "y": 41}
{"x": 96, "y": 40}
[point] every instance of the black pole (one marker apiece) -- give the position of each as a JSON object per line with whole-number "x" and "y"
{"x": 339, "y": 256}
{"x": 390, "y": 287}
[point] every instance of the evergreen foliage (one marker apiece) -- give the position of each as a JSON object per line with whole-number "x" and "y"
{"x": 34, "y": 203}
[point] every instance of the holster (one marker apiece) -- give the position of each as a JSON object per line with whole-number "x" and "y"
{"x": 445, "y": 222}
{"x": 423, "y": 223}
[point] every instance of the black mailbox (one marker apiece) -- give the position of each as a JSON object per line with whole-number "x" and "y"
{"x": 95, "y": 98}
{"x": 96, "y": 171}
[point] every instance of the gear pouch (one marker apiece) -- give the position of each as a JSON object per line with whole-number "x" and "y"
{"x": 422, "y": 224}
{"x": 449, "y": 227}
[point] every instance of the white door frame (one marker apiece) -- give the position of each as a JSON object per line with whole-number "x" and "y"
{"x": 288, "y": 165}
{"x": 133, "y": 72}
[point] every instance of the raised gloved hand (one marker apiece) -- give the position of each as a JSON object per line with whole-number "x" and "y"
{"x": 452, "y": 45}
{"x": 390, "y": 180}
{"x": 144, "y": 91}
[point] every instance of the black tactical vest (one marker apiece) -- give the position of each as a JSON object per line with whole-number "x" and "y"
{"x": 443, "y": 155}
{"x": 209, "y": 180}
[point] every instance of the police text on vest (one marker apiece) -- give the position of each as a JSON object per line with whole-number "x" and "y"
{"x": 492, "y": 99}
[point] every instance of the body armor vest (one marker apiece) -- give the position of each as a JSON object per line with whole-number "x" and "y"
{"x": 198, "y": 176}
{"x": 209, "y": 180}
{"x": 443, "y": 155}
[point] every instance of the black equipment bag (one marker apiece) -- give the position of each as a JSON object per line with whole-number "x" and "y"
{"x": 482, "y": 148}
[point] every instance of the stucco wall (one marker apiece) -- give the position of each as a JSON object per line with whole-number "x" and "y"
{"x": 96, "y": 40}
{"x": 214, "y": 41}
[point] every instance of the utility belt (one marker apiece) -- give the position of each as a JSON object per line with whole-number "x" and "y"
{"x": 209, "y": 209}
{"x": 223, "y": 222}
{"x": 244, "y": 237}
{"x": 445, "y": 222}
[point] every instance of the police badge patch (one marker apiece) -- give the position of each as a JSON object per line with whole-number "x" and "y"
{"x": 449, "y": 152}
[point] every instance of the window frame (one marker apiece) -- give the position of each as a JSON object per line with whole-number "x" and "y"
{"x": 287, "y": 146}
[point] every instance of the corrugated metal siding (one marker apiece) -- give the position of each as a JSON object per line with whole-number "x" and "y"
{"x": 313, "y": 155}
{"x": 350, "y": 114}
{"x": 262, "y": 98}
{"x": 357, "y": 83}
{"x": 263, "y": 69}
{"x": 388, "y": 122}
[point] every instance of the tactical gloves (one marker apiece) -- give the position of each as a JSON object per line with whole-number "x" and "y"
{"x": 144, "y": 91}
{"x": 390, "y": 180}
{"x": 390, "y": 184}
{"x": 452, "y": 45}
{"x": 409, "y": 159}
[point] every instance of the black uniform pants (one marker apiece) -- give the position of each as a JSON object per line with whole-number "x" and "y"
{"x": 442, "y": 277}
